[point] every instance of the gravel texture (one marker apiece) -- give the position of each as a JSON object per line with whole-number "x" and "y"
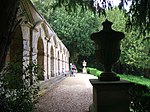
{"x": 73, "y": 94}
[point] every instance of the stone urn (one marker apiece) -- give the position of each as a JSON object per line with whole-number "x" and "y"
{"x": 107, "y": 49}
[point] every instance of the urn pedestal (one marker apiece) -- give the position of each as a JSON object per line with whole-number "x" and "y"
{"x": 110, "y": 96}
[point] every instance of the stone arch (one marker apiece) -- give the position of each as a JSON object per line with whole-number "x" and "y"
{"x": 55, "y": 41}
{"x": 52, "y": 61}
{"x": 15, "y": 53}
{"x": 60, "y": 47}
{"x": 64, "y": 51}
{"x": 40, "y": 58}
{"x": 45, "y": 29}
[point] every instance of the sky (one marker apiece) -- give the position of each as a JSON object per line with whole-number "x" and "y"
{"x": 115, "y": 3}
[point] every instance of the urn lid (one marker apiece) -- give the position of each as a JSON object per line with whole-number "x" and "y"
{"x": 107, "y": 25}
{"x": 107, "y": 33}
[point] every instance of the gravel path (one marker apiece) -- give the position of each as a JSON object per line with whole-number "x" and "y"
{"x": 73, "y": 94}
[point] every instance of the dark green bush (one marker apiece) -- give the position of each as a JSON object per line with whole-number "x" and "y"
{"x": 16, "y": 92}
{"x": 140, "y": 98}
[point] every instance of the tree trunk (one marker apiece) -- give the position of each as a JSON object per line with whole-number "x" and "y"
{"x": 8, "y": 11}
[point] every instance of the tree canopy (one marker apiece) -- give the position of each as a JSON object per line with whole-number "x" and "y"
{"x": 74, "y": 29}
{"x": 139, "y": 15}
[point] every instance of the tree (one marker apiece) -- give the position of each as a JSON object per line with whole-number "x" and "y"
{"x": 135, "y": 51}
{"x": 74, "y": 30}
{"x": 140, "y": 9}
{"x": 139, "y": 15}
{"x": 139, "y": 12}
{"x": 8, "y": 11}
{"x": 68, "y": 27}
{"x": 135, "y": 46}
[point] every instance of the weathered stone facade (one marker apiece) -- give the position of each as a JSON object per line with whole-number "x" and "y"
{"x": 35, "y": 40}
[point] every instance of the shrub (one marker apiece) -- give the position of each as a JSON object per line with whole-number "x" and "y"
{"x": 17, "y": 94}
{"x": 140, "y": 98}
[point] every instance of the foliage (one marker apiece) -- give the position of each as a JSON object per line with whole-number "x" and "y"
{"x": 44, "y": 7}
{"x": 69, "y": 25}
{"x": 72, "y": 28}
{"x": 139, "y": 15}
{"x": 17, "y": 95}
{"x": 139, "y": 12}
{"x": 135, "y": 50}
{"x": 93, "y": 71}
{"x": 135, "y": 47}
{"x": 140, "y": 98}
{"x": 135, "y": 79}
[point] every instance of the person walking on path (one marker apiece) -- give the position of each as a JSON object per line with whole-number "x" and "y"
{"x": 73, "y": 94}
{"x": 63, "y": 72}
{"x": 71, "y": 70}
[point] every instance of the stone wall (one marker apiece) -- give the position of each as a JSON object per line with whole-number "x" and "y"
{"x": 38, "y": 42}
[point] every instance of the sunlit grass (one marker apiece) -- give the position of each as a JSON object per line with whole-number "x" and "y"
{"x": 136, "y": 79}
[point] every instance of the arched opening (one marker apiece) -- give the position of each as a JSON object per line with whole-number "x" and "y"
{"x": 52, "y": 62}
{"x": 58, "y": 64}
{"x": 55, "y": 41}
{"x": 60, "y": 47}
{"x": 40, "y": 59}
{"x": 47, "y": 62}
{"x": 15, "y": 53}
{"x": 15, "y": 57}
{"x": 63, "y": 62}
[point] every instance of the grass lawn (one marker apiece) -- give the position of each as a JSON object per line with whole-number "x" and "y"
{"x": 136, "y": 79}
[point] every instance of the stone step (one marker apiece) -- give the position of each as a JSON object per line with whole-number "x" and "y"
{"x": 46, "y": 85}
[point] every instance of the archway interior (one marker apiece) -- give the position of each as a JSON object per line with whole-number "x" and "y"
{"x": 40, "y": 59}
{"x": 15, "y": 58}
{"x": 52, "y": 62}
{"x": 15, "y": 53}
{"x": 58, "y": 64}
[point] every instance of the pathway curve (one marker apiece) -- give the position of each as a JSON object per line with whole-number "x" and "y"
{"x": 73, "y": 94}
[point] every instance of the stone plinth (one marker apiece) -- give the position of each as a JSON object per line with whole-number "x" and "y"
{"x": 84, "y": 70}
{"x": 110, "y": 96}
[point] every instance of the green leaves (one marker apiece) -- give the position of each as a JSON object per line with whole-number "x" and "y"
{"x": 16, "y": 93}
{"x": 135, "y": 50}
{"x": 74, "y": 30}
